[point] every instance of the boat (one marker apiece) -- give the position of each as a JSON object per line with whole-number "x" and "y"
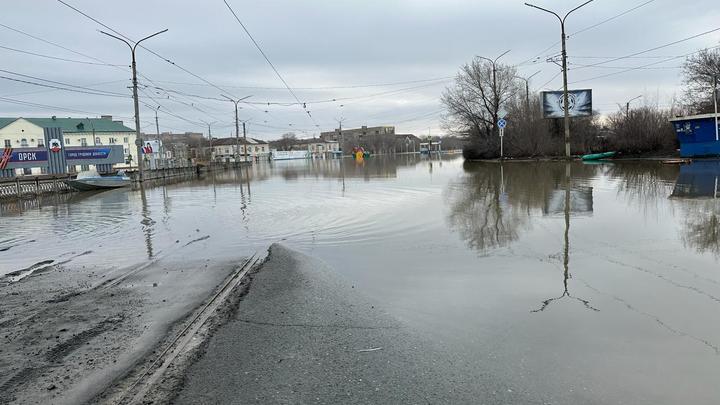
{"x": 91, "y": 180}
{"x": 598, "y": 156}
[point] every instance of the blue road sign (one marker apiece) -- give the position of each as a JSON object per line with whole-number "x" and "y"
{"x": 501, "y": 123}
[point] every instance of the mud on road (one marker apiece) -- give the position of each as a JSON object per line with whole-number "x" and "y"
{"x": 69, "y": 332}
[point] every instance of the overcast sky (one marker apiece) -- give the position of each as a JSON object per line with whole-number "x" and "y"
{"x": 384, "y": 62}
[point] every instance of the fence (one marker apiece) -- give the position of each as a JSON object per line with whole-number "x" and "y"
{"x": 33, "y": 186}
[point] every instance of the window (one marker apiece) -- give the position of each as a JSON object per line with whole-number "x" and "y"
{"x": 41, "y": 143}
{"x": 8, "y": 143}
{"x": 227, "y": 151}
{"x": 85, "y": 167}
{"x": 262, "y": 149}
{"x": 126, "y": 140}
{"x": 43, "y": 170}
{"x": 112, "y": 141}
{"x": 83, "y": 142}
{"x": 98, "y": 141}
{"x": 67, "y": 141}
{"x": 23, "y": 143}
{"x": 27, "y": 171}
{"x": 126, "y": 151}
{"x": 257, "y": 149}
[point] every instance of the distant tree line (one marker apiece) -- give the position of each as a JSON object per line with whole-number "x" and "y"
{"x": 482, "y": 90}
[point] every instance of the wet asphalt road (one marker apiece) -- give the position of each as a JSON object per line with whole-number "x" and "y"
{"x": 303, "y": 336}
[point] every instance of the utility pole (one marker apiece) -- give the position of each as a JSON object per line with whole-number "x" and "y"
{"x": 627, "y": 106}
{"x": 209, "y": 136}
{"x": 245, "y": 142}
{"x": 138, "y": 138}
{"x": 564, "y": 70}
{"x": 157, "y": 126}
{"x": 496, "y": 96}
{"x": 527, "y": 87}
{"x": 237, "y": 124}
{"x": 715, "y": 98}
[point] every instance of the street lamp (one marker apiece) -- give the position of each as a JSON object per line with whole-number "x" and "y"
{"x": 209, "y": 136}
{"x": 237, "y": 125}
{"x": 627, "y": 106}
{"x": 496, "y": 96}
{"x": 138, "y": 139}
{"x": 527, "y": 87}
{"x": 564, "y": 70}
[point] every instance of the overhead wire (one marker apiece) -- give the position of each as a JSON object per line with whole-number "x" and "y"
{"x": 269, "y": 62}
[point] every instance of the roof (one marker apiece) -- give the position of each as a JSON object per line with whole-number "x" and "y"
{"x": 313, "y": 140}
{"x": 70, "y": 125}
{"x": 695, "y": 117}
{"x": 241, "y": 141}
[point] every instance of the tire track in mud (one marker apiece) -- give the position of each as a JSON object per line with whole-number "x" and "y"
{"x": 63, "y": 349}
{"x": 107, "y": 284}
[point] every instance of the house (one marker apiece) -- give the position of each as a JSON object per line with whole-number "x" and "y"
{"x": 406, "y": 143}
{"x": 28, "y": 133}
{"x": 225, "y": 149}
{"x": 317, "y": 147}
{"x": 374, "y": 139}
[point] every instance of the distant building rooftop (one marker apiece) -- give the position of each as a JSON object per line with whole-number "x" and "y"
{"x": 70, "y": 125}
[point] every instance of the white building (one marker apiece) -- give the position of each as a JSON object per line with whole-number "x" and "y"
{"x": 28, "y": 133}
{"x": 225, "y": 149}
{"x": 318, "y": 147}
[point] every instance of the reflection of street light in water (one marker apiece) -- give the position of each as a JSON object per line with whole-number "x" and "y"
{"x": 566, "y": 254}
{"x": 146, "y": 222}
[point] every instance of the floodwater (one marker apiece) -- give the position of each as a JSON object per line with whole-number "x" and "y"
{"x": 583, "y": 283}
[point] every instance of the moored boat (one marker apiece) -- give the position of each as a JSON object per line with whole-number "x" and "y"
{"x": 598, "y": 156}
{"x": 91, "y": 180}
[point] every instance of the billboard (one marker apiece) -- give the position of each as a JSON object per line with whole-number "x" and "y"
{"x": 151, "y": 147}
{"x": 580, "y": 103}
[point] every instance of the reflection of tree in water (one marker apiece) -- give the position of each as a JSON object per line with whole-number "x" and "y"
{"x": 644, "y": 183}
{"x": 493, "y": 203}
{"x": 702, "y": 225}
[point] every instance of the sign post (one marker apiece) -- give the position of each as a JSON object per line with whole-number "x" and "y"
{"x": 501, "y": 125}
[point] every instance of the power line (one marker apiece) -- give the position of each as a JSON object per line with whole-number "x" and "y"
{"x": 269, "y": 62}
{"x": 55, "y": 57}
{"x": 98, "y": 92}
{"x": 61, "y": 88}
{"x": 643, "y": 66}
{"x": 359, "y": 86}
{"x": 656, "y": 48}
{"x": 534, "y": 58}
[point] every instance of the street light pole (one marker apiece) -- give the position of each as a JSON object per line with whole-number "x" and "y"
{"x": 527, "y": 87}
{"x": 715, "y": 98}
{"x": 564, "y": 70}
{"x": 496, "y": 96}
{"x": 138, "y": 139}
{"x": 627, "y": 106}
{"x": 237, "y": 124}
{"x": 209, "y": 136}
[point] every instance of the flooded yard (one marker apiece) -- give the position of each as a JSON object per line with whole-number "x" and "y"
{"x": 580, "y": 283}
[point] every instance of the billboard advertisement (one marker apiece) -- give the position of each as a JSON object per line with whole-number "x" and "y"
{"x": 579, "y": 101}
{"x": 151, "y": 147}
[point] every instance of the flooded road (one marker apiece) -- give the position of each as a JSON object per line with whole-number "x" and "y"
{"x": 581, "y": 283}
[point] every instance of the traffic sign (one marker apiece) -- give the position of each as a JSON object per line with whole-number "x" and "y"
{"x": 501, "y": 123}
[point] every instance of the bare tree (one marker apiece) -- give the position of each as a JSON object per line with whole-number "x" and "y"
{"x": 701, "y": 71}
{"x": 287, "y": 141}
{"x": 474, "y": 101}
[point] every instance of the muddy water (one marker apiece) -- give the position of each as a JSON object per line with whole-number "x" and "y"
{"x": 583, "y": 283}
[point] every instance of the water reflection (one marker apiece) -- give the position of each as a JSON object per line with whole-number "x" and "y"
{"x": 493, "y": 203}
{"x": 582, "y": 203}
{"x": 147, "y": 223}
{"x": 698, "y": 189}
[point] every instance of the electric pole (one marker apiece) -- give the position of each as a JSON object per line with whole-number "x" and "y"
{"x": 138, "y": 138}
{"x": 627, "y": 106}
{"x": 527, "y": 87}
{"x": 245, "y": 142}
{"x": 209, "y": 136}
{"x": 237, "y": 125}
{"x": 564, "y": 70}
